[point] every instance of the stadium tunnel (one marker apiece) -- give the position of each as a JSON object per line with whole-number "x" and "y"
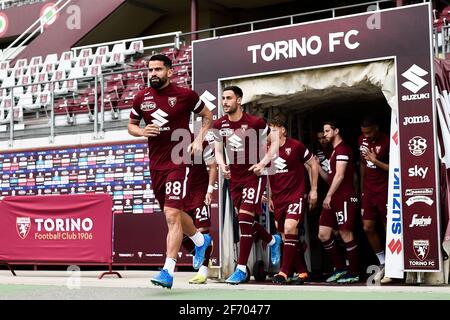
{"x": 309, "y": 97}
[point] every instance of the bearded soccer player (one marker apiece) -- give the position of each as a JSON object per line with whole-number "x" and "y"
{"x": 202, "y": 179}
{"x": 242, "y": 135}
{"x": 374, "y": 168}
{"x": 287, "y": 188}
{"x": 339, "y": 207}
{"x": 165, "y": 108}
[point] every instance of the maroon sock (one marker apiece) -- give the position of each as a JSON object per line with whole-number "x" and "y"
{"x": 352, "y": 256}
{"x": 246, "y": 239}
{"x": 207, "y": 252}
{"x": 333, "y": 251}
{"x": 261, "y": 232}
{"x": 300, "y": 263}
{"x": 188, "y": 244}
{"x": 289, "y": 250}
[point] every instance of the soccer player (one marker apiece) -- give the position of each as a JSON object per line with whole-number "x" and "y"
{"x": 165, "y": 108}
{"x": 374, "y": 168}
{"x": 242, "y": 135}
{"x": 202, "y": 179}
{"x": 339, "y": 207}
{"x": 287, "y": 186}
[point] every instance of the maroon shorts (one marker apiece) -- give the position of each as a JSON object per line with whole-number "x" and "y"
{"x": 195, "y": 206}
{"x": 342, "y": 214}
{"x": 247, "y": 194}
{"x": 170, "y": 186}
{"x": 290, "y": 210}
{"x": 374, "y": 206}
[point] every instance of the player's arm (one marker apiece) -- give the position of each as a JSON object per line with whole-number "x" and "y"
{"x": 337, "y": 180}
{"x": 362, "y": 173}
{"x": 372, "y": 156}
{"x": 206, "y": 115}
{"x": 323, "y": 174}
{"x": 314, "y": 177}
{"x": 274, "y": 141}
{"x": 212, "y": 178}
{"x": 218, "y": 151}
{"x": 151, "y": 130}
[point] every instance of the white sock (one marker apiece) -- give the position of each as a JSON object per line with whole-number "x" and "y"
{"x": 272, "y": 242}
{"x": 198, "y": 239}
{"x": 380, "y": 256}
{"x": 242, "y": 268}
{"x": 170, "y": 265}
{"x": 203, "y": 271}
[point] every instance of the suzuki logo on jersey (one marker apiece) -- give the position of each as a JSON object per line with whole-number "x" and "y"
{"x": 415, "y": 120}
{"x": 417, "y": 145}
{"x": 159, "y": 119}
{"x": 280, "y": 164}
{"x": 417, "y": 171}
{"x": 414, "y": 74}
{"x": 235, "y": 142}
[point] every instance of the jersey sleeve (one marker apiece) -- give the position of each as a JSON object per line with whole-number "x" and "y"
{"x": 342, "y": 154}
{"x": 195, "y": 103}
{"x": 303, "y": 153}
{"x": 136, "y": 112}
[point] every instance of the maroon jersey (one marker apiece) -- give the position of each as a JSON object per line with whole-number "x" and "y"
{"x": 288, "y": 182}
{"x": 198, "y": 176}
{"x": 169, "y": 108}
{"x": 375, "y": 178}
{"x": 342, "y": 152}
{"x": 243, "y": 141}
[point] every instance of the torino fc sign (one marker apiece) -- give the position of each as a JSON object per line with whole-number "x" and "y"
{"x": 402, "y": 35}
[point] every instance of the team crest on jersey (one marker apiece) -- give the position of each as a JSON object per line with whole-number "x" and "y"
{"x": 172, "y": 101}
{"x": 377, "y": 149}
{"x": 244, "y": 127}
{"x": 23, "y": 226}
{"x": 148, "y": 105}
{"x": 288, "y": 151}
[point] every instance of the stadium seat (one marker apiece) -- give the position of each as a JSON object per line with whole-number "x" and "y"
{"x": 94, "y": 70}
{"x": 51, "y": 59}
{"x": 134, "y": 48}
{"x": 85, "y": 53}
{"x": 35, "y": 61}
{"x": 102, "y": 51}
{"x": 65, "y": 62}
{"x": 21, "y": 63}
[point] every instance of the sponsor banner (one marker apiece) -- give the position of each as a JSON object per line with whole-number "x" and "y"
{"x": 394, "y": 228}
{"x": 72, "y": 228}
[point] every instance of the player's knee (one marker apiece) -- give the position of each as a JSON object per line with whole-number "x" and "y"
{"x": 324, "y": 236}
{"x": 290, "y": 227}
{"x": 368, "y": 227}
{"x": 346, "y": 235}
{"x": 173, "y": 216}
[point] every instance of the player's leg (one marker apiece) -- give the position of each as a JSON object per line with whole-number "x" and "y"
{"x": 346, "y": 224}
{"x": 327, "y": 223}
{"x": 369, "y": 218}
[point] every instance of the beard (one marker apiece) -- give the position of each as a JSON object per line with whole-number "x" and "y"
{"x": 156, "y": 82}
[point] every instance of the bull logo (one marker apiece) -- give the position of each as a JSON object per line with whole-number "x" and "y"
{"x": 172, "y": 101}
{"x": 23, "y": 226}
{"x": 421, "y": 249}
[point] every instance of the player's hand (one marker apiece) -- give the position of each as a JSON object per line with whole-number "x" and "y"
{"x": 208, "y": 197}
{"x": 196, "y": 147}
{"x": 225, "y": 171}
{"x": 312, "y": 199}
{"x": 370, "y": 155}
{"x": 150, "y": 130}
{"x": 257, "y": 168}
{"x": 271, "y": 207}
{"x": 326, "y": 202}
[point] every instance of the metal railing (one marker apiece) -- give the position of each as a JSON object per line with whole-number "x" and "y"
{"x": 5, "y": 4}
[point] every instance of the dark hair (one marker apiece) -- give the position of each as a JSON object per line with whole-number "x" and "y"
{"x": 237, "y": 91}
{"x": 278, "y": 121}
{"x": 333, "y": 124}
{"x": 368, "y": 121}
{"x": 160, "y": 57}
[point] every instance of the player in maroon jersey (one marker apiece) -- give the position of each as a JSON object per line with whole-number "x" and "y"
{"x": 242, "y": 135}
{"x": 202, "y": 179}
{"x": 339, "y": 207}
{"x": 374, "y": 169}
{"x": 287, "y": 195}
{"x": 165, "y": 108}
